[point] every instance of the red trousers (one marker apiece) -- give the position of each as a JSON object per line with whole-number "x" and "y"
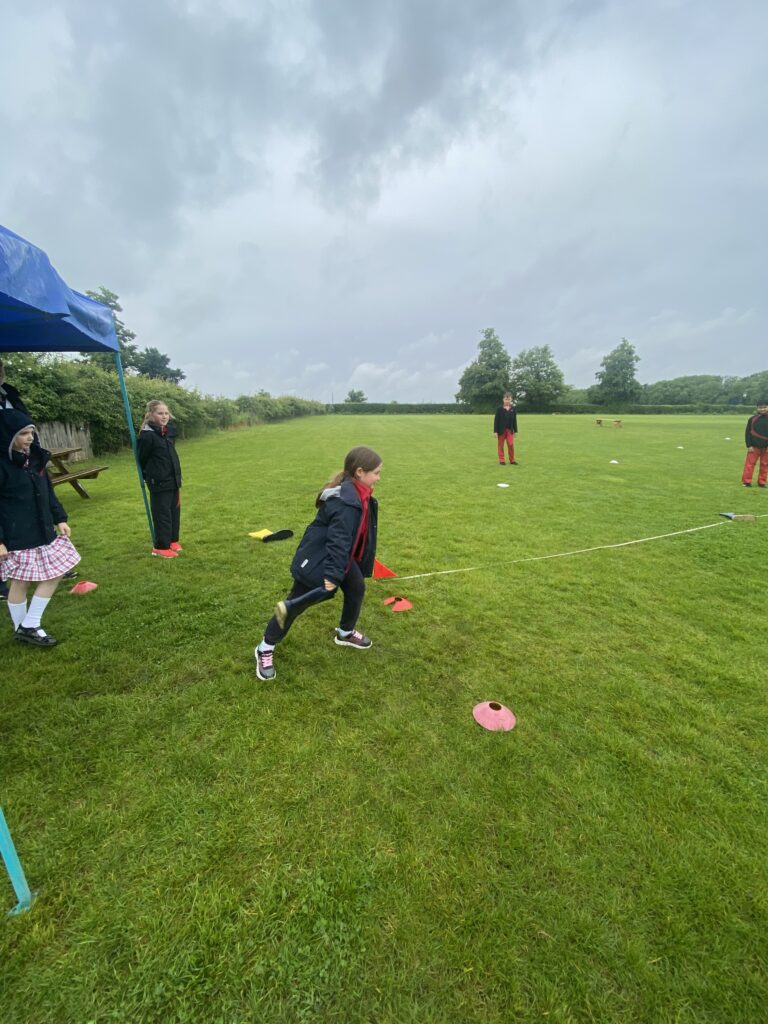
{"x": 749, "y": 466}
{"x": 509, "y": 437}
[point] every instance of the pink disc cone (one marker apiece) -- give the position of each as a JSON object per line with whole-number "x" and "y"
{"x": 83, "y": 587}
{"x": 494, "y": 716}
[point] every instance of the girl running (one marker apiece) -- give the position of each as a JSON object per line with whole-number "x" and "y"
{"x": 337, "y": 551}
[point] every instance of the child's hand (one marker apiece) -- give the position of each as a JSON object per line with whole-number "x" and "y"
{"x": 328, "y": 585}
{"x": 3, "y": 552}
{"x": 64, "y": 530}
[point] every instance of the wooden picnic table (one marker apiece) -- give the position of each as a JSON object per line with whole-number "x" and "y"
{"x": 61, "y": 472}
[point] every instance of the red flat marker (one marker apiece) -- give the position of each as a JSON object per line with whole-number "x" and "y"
{"x": 402, "y": 605}
{"x": 84, "y": 587}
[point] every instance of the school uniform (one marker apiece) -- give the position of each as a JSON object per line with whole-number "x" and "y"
{"x": 505, "y": 428}
{"x": 756, "y": 438}
{"x": 338, "y": 545}
{"x": 161, "y": 470}
{"x": 29, "y": 510}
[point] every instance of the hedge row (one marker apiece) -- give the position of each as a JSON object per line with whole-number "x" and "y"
{"x": 379, "y": 408}
{"x": 79, "y": 392}
{"x": 74, "y": 391}
{"x": 396, "y": 408}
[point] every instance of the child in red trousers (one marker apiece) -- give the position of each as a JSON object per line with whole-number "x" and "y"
{"x": 756, "y": 436}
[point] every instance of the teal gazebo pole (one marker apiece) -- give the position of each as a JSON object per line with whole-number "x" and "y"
{"x": 14, "y": 869}
{"x": 132, "y": 432}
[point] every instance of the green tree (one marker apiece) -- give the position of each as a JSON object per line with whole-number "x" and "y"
{"x": 616, "y": 382}
{"x": 698, "y": 389}
{"x": 486, "y": 379}
{"x": 125, "y": 337}
{"x": 152, "y": 363}
{"x": 755, "y": 387}
{"x": 355, "y": 396}
{"x": 536, "y": 375}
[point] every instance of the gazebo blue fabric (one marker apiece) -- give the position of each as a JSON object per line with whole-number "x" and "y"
{"x": 39, "y": 312}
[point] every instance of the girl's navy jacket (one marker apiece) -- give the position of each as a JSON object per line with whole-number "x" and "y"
{"x": 325, "y": 550}
{"x": 159, "y": 462}
{"x": 28, "y": 506}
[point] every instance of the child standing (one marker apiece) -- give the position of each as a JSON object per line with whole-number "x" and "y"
{"x": 505, "y": 428}
{"x": 30, "y": 517}
{"x": 337, "y": 551}
{"x": 756, "y": 436}
{"x": 161, "y": 470}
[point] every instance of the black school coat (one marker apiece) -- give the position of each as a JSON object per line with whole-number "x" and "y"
{"x": 325, "y": 550}
{"x": 159, "y": 462}
{"x": 505, "y": 419}
{"x": 756, "y": 434}
{"x": 29, "y": 509}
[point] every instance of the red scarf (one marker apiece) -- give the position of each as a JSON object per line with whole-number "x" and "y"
{"x": 358, "y": 548}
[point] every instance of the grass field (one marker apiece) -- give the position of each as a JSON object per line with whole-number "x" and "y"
{"x": 345, "y": 844}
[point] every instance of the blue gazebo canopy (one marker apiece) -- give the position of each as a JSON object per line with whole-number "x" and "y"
{"x": 39, "y": 312}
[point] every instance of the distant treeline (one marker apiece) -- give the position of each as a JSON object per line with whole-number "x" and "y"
{"x": 701, "y": 389}
{"x": 399, "y": 408}
{"x": 82, "y": 393}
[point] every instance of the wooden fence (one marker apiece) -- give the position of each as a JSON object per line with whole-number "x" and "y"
{"x": 67, "y": 435}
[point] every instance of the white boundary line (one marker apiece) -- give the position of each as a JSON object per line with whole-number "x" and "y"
{"x": 566, "y": 554}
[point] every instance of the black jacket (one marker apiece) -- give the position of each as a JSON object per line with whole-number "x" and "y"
{"x": 159, "y": 462}
{"x": 756, "y": 434}
{"x": 9, "y": 393}
{"x": 325, "y": 550}
{"x": 505, "y": 419}
{"x": 28, "y": 506}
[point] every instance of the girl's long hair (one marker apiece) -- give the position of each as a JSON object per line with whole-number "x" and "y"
{"x": 357, "y": 458}
{"x": 152, "y": 407}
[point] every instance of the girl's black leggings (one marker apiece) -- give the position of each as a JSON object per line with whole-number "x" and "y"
{"x": 166, "y": 515}
{"x": 353, "y": 589}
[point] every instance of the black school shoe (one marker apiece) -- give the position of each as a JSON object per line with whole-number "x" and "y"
{"x": 34, "y": 635}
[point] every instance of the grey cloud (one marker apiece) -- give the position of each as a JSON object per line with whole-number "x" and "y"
{"x": 371, "y": 183}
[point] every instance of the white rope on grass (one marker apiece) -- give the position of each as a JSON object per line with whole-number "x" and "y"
{"x": 578, "y": 551}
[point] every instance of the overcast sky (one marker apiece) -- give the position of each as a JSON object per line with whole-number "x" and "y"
{"x": 309, "y": 197}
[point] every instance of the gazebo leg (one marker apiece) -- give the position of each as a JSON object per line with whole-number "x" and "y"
{"x": 14, "y": 869}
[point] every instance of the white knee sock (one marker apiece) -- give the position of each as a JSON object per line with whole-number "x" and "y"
{"x": 18, "y": 611}
{"x": 36, "y": 608}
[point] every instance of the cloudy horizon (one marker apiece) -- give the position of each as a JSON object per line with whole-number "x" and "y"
{"x": 329, "y": 195}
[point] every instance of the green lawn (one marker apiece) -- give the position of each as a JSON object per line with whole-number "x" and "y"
{"x": 345, "y": 844}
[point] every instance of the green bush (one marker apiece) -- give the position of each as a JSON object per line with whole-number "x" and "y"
{"x": 263, "y": 408}
{"x": 73, "y": 391}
